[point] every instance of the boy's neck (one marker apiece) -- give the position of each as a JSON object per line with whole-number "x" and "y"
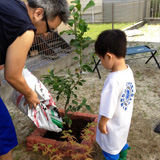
{"x": 119, "y": 65}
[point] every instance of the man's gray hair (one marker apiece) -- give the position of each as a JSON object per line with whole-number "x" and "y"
{"x": 52, "y": 8}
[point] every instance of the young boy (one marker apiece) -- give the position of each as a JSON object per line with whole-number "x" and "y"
{"x": 116, "y": 104}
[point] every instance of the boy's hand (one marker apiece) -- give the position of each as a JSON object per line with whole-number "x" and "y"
{"x": 103, "y": 125}
{"x": 103, "y": 129}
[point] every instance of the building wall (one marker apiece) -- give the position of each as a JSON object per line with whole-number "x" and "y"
{"x": 122, "y": 11}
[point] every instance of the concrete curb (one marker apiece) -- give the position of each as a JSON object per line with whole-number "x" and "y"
{"x": 135, "y": 26}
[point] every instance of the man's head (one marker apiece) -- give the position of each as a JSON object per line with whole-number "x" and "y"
{"x": 111, "y": 41}
{"x": 47, "y": 15}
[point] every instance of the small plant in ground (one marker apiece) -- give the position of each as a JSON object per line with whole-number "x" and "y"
{"x": 48, "y": 150}
{"x": 83, "y": 151}
{"x": 66, "y": 86}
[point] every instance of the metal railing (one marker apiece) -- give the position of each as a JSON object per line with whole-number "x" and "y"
{"x": 127, "y": 11}
{"x": 116, "y": 12}
{"x": 153, "y": 8}
{"x": 123, "y": 11}
{"x": 45, "y": 49}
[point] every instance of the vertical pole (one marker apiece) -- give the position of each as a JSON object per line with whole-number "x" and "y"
{"x": 145, "y": 9}
{"x": 155, "y": 8}
{"x": 112, "y": 15}
{"x": 139, "y": 14}
{"x": 159, "y": 11}
{"x": 93, "y": 20}
{"x": 133, "y": 12}
{"x": 103, "y": 16}
{"x": 152, "y": 5}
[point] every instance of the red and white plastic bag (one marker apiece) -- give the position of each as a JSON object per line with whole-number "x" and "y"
{"x": 45, "y": 115}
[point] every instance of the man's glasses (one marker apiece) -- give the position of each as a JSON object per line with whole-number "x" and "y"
{"x": 48, "y": 29}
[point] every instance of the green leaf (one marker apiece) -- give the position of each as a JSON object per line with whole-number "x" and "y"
{"x": 88, "y": 107}
{"x": 77, "y": 50}
{"x": 76, "y": 1}
{"x": 46, "y": 81}
{"x": 78, "y": 6}
{"x": 75, "y": 42}
{"x": 87, "y": 39}
{"x": 76, "y": 58}
{"x": 49, "y": 146}
{"x": 83, "y": 80}
{"x": 87, "y": 67}
{"x": 75, "y": 96}
{"x": 69, "y": 32}
{"x": 74, "y": 109}
{"x": 75, "y": 14}
{"x": 70, "y": 106}
{"x": 79, "y": 107}
{"x": 71, "y": 22}
{"x": 90, "y": 4}
{"x": 52, "y": 73}
{"x": 61, "y": 33}
{"x": 68, "y": 71}
{"x": 70, "y": 122}
{"x": 85, "y": 46}
{"x": 79, "y": 83}
{"x": 71, "y": 7}
{"x": 74, "y": 102}
{"x": 84, "y": 101}
{"x": 82, "y": 26}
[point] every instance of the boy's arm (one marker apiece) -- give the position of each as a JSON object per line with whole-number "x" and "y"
{"x": 102, "y": 125}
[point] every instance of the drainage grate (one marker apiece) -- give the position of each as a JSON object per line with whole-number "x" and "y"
{"x": 45, "y": 49}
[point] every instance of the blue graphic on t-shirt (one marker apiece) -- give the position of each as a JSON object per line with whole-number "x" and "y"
{"x": 127, "y": 95}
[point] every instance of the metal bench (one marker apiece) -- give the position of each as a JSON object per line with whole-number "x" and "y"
{"x": 132, "y": 51}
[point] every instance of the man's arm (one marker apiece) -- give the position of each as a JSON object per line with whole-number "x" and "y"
{"x": 15, "y": 61}
{"x": 103, "y": 125}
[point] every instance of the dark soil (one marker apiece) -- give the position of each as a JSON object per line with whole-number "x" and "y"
{"x": 77, "y": 126}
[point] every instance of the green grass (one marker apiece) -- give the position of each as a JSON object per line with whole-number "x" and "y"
{"x": 96, "y": 29}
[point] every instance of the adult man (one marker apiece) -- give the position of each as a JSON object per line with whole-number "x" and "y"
{"x": 19, "y": 22}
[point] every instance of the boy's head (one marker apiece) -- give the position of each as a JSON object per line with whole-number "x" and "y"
{"x": 112, "y": 41}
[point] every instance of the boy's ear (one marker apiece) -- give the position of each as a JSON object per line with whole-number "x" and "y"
{"x": 38, "y": 14}
{"x": 110, "y": 55}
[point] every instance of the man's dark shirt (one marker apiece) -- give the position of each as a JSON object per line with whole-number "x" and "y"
{"x": 14, "y": 21}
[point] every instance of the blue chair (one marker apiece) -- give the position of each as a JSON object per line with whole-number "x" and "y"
{"x": 143, "y": 49}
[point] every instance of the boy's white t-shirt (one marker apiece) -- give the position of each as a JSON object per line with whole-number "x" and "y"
{"x": 116, "y": 104}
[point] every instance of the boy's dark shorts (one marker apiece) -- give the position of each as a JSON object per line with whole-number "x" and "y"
{"x": 8, "y": 138}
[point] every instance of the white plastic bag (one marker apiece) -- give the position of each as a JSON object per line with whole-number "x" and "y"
{"x": 45, "y": 115}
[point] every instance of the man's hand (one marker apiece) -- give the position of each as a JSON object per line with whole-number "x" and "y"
{"x": 103, "y": 125}
{"x": 32, "y": 100}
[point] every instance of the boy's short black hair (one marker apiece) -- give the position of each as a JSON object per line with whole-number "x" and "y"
{"x": 113, "y": 41}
